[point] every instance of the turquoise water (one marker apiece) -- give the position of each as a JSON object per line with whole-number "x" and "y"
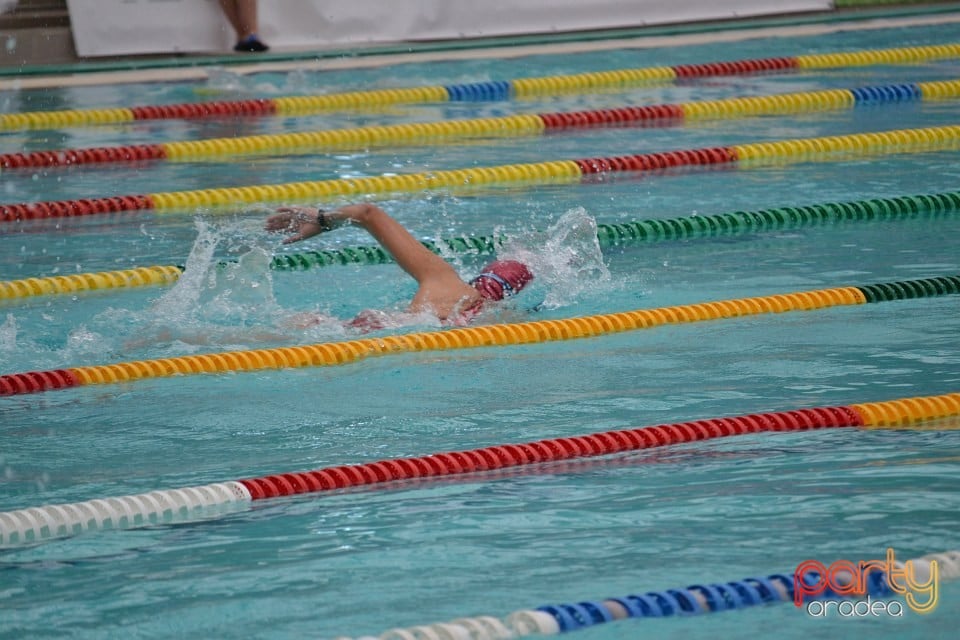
{"x": 361, "y": 562}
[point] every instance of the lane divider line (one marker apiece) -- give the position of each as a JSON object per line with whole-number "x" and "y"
{"x": 506, "y": 126}
{"x": 608, "y": 235}
{"x": 829, "y": 148}
{"x": 695, "y": 599}
{"x": 37, "y": 524}
{"x": 534, "y": 332}
{"x": 479, "y": 91}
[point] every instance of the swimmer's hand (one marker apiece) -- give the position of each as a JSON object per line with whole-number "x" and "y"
{"x": 303, "y": 221}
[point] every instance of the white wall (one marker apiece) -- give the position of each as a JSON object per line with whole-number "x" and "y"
{"x": 117, "y": 27}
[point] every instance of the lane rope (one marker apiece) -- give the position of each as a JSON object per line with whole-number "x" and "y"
{"x": 695, "y": 599}
{"x": 533, "y": 332}
{"x": 38, "y": 524}
{"x": 608, "y": 235}
{"x": 507, "y": 126}
{"x": 497, "y": 90}
{"x": 829, "y": 148}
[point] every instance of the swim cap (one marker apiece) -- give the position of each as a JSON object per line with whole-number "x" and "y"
{"x": 502, "y": 279}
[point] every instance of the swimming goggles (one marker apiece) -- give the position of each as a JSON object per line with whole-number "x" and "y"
{"x": 507, "y": 289}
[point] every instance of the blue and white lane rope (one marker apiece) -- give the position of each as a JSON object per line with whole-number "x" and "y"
{"x": 691, "y": 600}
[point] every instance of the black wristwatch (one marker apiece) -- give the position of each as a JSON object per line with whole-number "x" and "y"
{"x": 322, "y": 221}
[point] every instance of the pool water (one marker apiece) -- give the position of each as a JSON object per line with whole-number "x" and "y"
{"x": 360, "y": 562}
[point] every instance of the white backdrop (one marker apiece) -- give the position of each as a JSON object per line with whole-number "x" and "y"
{"x": 119, "y": 27}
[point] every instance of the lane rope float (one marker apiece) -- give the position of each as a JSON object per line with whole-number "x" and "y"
{"x": 695, "y": 599}
{"x": 497, "y": 90}
{"x": 533, "y": 332}
{"x": 829, "y": 148}
{"x": 37, "y": 524}
{"x": 608, "y": 235}
{"x": 506, "y": 126}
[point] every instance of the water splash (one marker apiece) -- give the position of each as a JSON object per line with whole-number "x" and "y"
{"x": 84, "y": 344}
{"x": 220, "y": 80}
{"x": 213, "y": 302}
{"x": 178, "y": 303}
{"x": 8, "y": 334}
{"x": 566, "y": 258}
{"x": 296, "y": 82}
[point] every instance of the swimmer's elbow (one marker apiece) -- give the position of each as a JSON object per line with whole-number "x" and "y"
{"x": 363, "y": 214}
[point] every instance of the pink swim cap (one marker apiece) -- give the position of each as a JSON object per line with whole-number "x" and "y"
{"x": 502, "y": 279}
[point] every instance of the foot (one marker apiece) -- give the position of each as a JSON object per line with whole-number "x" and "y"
{"x": 251, "y": 44}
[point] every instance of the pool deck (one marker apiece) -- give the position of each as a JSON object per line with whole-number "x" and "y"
{"x": 197, "y": 67}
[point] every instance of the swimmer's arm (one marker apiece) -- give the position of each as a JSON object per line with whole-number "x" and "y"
{"x": 410, "y": 254}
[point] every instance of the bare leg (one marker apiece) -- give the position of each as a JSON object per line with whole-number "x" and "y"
{"x": 242, "y": 15}
{"x": 230, "y": 11}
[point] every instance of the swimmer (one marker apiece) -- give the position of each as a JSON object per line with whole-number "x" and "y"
{"x": 441, "y": 291}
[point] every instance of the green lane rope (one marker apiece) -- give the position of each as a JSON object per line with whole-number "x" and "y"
{"x": 608, "y": 235}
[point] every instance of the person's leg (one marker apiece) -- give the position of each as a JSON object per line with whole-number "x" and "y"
{"x": 246, "y": 12}
{"x": 229, "y": 8}
{"x": 242, "y": 15}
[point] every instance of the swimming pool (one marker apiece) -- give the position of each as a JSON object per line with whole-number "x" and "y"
{"x": 360, "y": 562}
